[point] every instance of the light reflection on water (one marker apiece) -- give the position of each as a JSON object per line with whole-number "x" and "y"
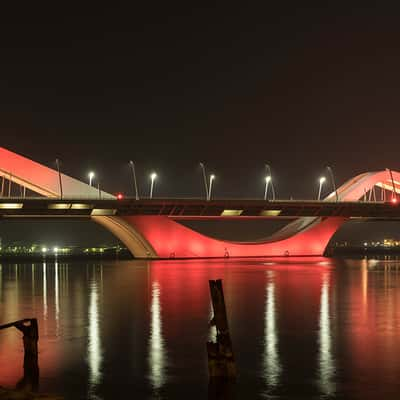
{"x": 44, "y": 290}
{"x": 94, "y": 355}
{"x": 327, "y": 328}
{"x": 157, "y": 356}
{"x": 327, "y": 367}
{"x": 272, "y": 365}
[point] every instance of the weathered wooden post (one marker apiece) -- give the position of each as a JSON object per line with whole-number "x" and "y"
{"x": 29, "y": 328}
{"x": 221, "y": 361}
{"x": 31, "y": 336}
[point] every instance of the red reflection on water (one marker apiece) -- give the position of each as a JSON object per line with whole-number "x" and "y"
{"x": 282, "y": 313}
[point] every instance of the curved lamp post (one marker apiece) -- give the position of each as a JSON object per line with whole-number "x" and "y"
{"x": 212, "y": 177}
{"x": 329, "y": 169}
{"x": 153, "y": 177}
{"x": 134, "y": 179}
{"x": 321, "y": 182}
{"x": 91, "y": 176}
{"x": 267, "y": 181}
{"x": 268, "y": 168}
{"x": 203, "y": 170}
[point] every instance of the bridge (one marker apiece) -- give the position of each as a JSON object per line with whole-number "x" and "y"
{"x": 150, "y": 228}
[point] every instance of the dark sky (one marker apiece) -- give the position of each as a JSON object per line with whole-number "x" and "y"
{"x": 234, "y": 86}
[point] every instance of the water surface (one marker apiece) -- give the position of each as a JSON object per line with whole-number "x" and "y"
{"x": 301, "y": 328}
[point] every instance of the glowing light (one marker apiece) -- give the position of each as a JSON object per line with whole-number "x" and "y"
{"x": 210, "y": 185}
{"x": 44, "y": 249}
{"x": 267, "y": 181}
{"x": 153, "y": 177}
{"x": 44, "y": 291}
{"x": 271, "y": 356}
{"x": 326, "y": 361}
{"x": 94, "y": 354}
{"x": 55, "y": 249}
{"x": 167, "y": 236}
{"x": 231, "y": 213}
{"x": 270, "y": 213}
{"x": 91, "y": 176}
{"x": 321, "y": 182}
{"x": 11, "y": 206}
{"x": 103, "y": 211}
{"x": 56, "y": 297}
{"x": 120, "y": 196}
{"x": 157, "y": 359}
{"x": 78, "y": 206}
{"x": 394, "y": 200}
{"x": 59, "y": 206}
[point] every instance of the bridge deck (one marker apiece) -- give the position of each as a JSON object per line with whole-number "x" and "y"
{"x": 196, "y": 208}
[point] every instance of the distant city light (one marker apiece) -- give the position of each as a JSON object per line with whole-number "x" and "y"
{"x": 55, "y": 249}
{"x": 120, "y": 196}
{"x": 44, "y": 249}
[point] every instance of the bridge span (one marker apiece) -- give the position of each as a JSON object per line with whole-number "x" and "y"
{"x": 197, "y": 209}
{"x": 150, "y": 228}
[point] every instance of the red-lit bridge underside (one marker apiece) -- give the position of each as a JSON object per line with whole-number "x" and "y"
{"x": 149, "y": 227}
{"x": 160, "y": 236}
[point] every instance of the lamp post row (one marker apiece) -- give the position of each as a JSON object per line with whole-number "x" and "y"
{"x": 207, "y": 185}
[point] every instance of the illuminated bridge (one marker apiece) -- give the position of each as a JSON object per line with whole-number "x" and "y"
{"x": 150, "y": 228}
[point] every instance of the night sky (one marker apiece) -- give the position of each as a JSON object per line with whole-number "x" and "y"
{"x": 235, "y": 87}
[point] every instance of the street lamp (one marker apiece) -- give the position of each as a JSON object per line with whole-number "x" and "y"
{"x": 268, "y": 168}
{"x": 91, "y": 176}
{"x": 203, "y": 169}
{"x": 134, "y": 179}
{"x": 212, "y": 177}
{"x": 329, "y": 169}
{"x": 321, "y": 182}
{"x": 153, "y": 177}
{"x": 267, "y": 181}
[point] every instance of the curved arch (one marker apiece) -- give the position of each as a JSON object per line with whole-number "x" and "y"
{"x": 354, "y": 188}
{"x": 126, "y": 233}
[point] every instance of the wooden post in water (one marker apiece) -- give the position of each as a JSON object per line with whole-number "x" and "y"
{"x": 29, "y": 328}
{"x": 221, "y": 361}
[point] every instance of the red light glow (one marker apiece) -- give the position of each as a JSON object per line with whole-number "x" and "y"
{"x": 394, "y": 200}
{"x": 120, "y": 196}
{"x": 170, "y": 239}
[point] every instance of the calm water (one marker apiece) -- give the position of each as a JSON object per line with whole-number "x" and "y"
{"x": 305, "y": 328}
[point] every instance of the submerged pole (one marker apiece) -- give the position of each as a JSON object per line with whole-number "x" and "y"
{"x": 221, "y": 361}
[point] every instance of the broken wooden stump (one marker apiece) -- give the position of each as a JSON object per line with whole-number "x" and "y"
{"x": 29, "y": 328}
{"x": 221, "y": 361}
